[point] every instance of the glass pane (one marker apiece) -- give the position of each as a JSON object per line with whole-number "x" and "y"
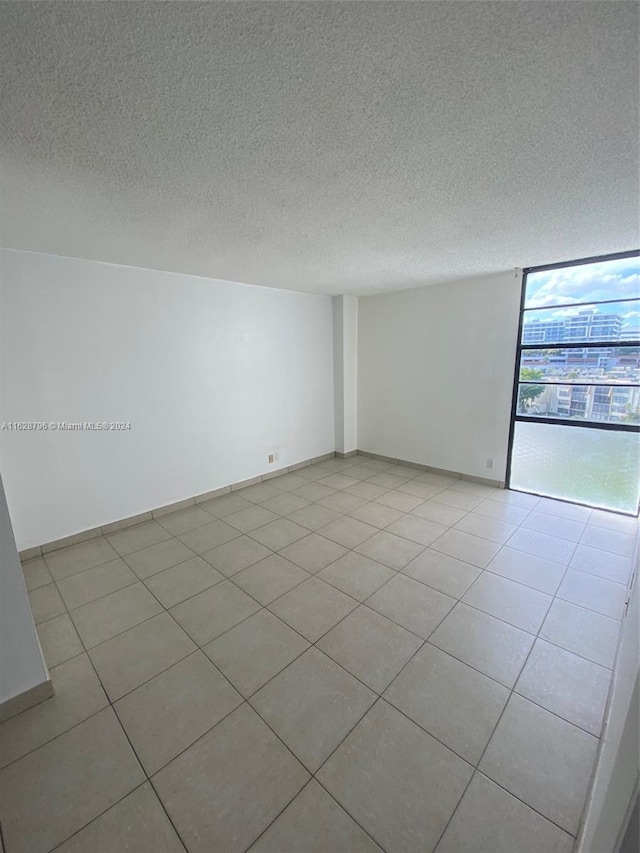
{"x": 591, "y": 466}
{"x": 609, "y": 365}
{"x": 614, "y": 404}
{"x": 616, "y": 279}
{"x": 616, "y": 321}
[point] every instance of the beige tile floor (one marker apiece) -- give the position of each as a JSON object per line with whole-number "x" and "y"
{"x": 358, "y": 656}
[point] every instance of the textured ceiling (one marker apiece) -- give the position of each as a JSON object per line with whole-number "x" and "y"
{"x": 344, "y": 147}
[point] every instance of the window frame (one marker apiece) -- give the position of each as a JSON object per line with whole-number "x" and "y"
{"x": 520, "y": 346}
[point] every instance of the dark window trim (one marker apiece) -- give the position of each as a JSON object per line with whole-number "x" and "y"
{"x": 582, "y": 345}
{"x": 580, "y": 304}
{"x": 617, "y": 256}
{"x": 633, "y": 253}
{"x": 578, "y": 384}
{"x": 612, "y": 427}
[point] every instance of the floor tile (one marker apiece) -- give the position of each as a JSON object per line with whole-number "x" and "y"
{"x": 396, "y": 781}
{"x": 463, "y": 546}
{"x": 289, "y": 482}
{"x": 357, "y": 575}
{"x": 513, "y": 498}
{"x": 91, "y": 584}
{"x": 456, "y": 704}
{"x": 370, "y": 647}
{"x": 613, "y": 567}
{"x": 390, "y": 550}
{"x": 343, "y": 502}
{"x": 313, "y": 552}
{"x": 223, "y": 792}
{"x": 313, "y": 608}
{"x": 411, "y": 604}
{"x": 255, "y": 650}
{"x": 567, "y": 685}
{"x": 389, "y": 481}
{"x": 400, "y": 501}
{"x": 348, "y": 531}
{"x": 285, "y": 504}
{"x": 78, "y": 695}
{"x": 555, "y": 525}
{"x": 314, "y": 823}
{"x": 594, "y": 593}
{"x": 444, "y": 573}
{"x": 130, "y": 659}
{"x": 167, "y": 714}
{"x": 311, "y": 473}
{"x": 437, "y": 479}
{"x": 208, "y": 614}
{"x": 471, "y": 488}
{"x": 314, "y": 516}
{"x": 461, "y": 500}
{"x": 209, "y": 536}
{"x": 417, "y": 529}
{"x": 486, "y": 528}
{"x": 419, "y": 489}
{"x": 112, "y": 614}
{"x": 183, "y": 581}
{"x": 75, "y": 558}
{"x": 542, "y": 760}
{"x": 409, "y": 471}
{"x": 149, "y": 561}
{"x": 36, "y": 573}
{"x": 236, "y": 555}
{"x": 270, "y": 578}
{"x": 367, "y": 490}
{"x": 138, "y": 537}
{"x": 582, "y": 632}
{"x": 376, "y": 514}
{"x": 510, "y": 601}
{"x": 54, "y": 791}
{"x": 280, "y": 533}
{"x": 609, "y": 540}
{"x": 184, "y": 520}
{"x": 440, "y": 513}
{"x": 612, "y": 521}
{"x": 137, "y": 824}
{"x": 337, "y": 481}
{"x": 59, "y": 640}
{"x": 490, "y": 820}
{"x": 225, "y": 505}
{"x": 527, "y": 569}
{"x": 260, "y": 492}
{"x": 543, "y": 545}
{"x": 313, "y": 492}
{"x": 485, "y": 643}
{"x": 502, "y": 511}
{"x": 46, "y": 603}
{"x": 312, "y": 705}
{"x": 563, "y": 509}
{"x": 251, "y": 518}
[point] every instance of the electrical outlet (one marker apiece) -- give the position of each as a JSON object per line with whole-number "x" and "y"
{"x": 273, "y": 457}
{"x": 489, "y": 462}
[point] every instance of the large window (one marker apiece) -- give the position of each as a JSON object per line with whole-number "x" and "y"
{"x": 575, "y": 431}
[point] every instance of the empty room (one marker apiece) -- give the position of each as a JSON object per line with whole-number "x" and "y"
{"x": 319, "y": 426}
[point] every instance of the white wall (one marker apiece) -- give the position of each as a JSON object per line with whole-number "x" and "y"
{"x": 436, "y": 372}
{"x": 345, "y": 365}
{"x": 22, "y": 667}
{"x": 211, "y": 375}
{"x": 615, "y": 782}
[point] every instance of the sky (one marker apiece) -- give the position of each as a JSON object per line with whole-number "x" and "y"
{"x": 617, "y": 279}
